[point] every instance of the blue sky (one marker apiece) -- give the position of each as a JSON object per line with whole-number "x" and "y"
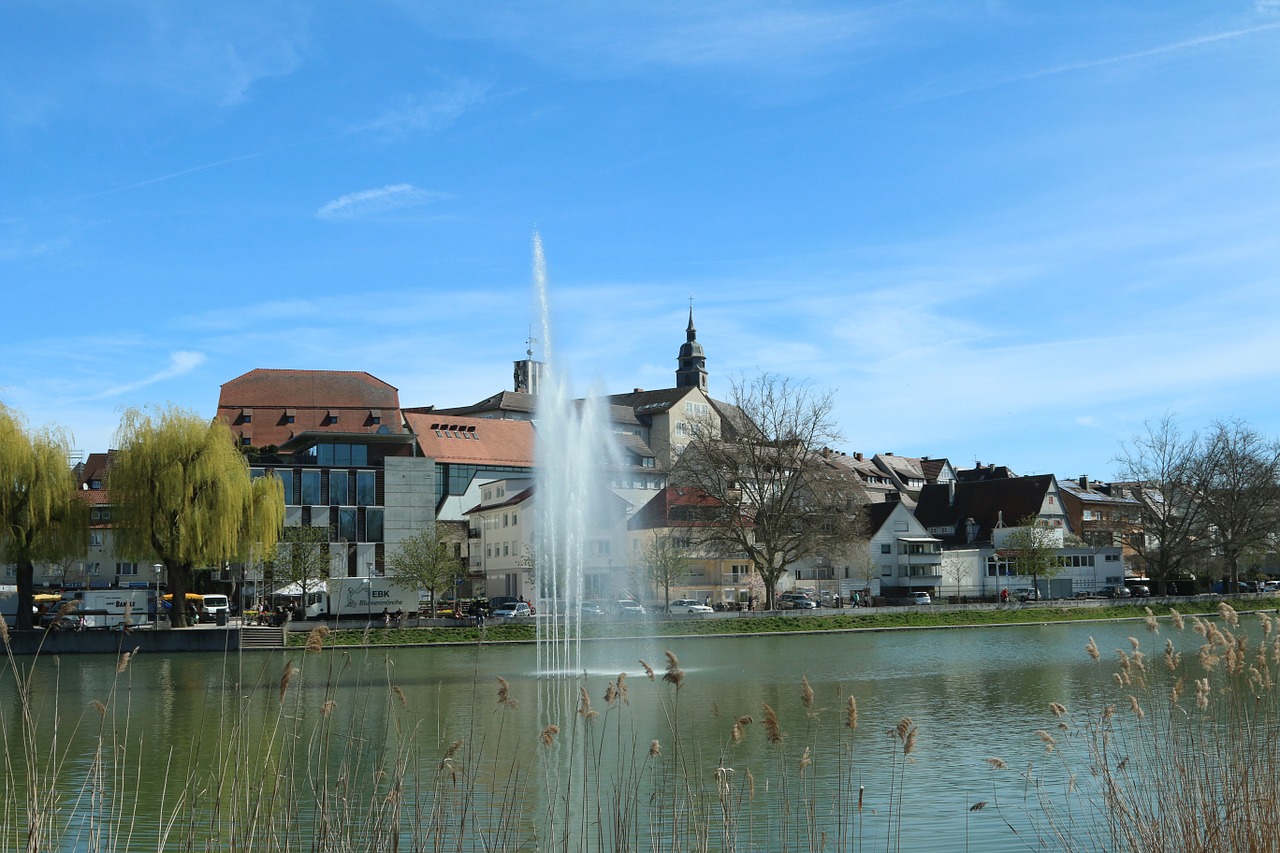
{"x": 998, "y": 231}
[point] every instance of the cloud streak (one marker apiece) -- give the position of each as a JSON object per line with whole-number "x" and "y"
{"x": 371, "y": 202}
{"x": 180, "y": 363}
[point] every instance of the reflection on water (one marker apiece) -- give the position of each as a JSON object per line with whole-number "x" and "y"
{"x": 974, "y": 694}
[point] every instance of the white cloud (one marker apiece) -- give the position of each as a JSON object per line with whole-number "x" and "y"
{"x": 368, "y": 202}
{"x": 432, "y": 111}
{"x": 180, "y": 363}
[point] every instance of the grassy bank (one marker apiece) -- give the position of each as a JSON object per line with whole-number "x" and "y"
{"x": 862, "y": 620}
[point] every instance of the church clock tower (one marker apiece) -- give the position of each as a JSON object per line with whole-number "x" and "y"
{"x": 692, "y": 370}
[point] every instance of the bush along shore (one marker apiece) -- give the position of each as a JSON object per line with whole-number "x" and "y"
{"x": 523, "y": 631}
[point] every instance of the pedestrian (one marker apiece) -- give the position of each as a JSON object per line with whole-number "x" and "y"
{"x": 1004, "y": 596}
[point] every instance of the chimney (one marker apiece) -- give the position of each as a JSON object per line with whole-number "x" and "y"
{"x": 638, "y": 391}
{"x": 1084, "y": 482}
{"x": 857, "y": 456}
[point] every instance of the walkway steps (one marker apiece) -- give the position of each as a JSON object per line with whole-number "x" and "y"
{"x": 261, "y": 637}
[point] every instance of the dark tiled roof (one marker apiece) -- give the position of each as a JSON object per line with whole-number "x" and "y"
{"x": 503, "y": 401}
{"x": 986, "y": 502}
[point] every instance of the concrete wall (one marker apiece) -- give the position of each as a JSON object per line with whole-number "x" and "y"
{"x": 115, "y": 642}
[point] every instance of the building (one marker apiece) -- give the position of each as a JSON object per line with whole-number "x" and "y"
{"x": 338, "y": 442}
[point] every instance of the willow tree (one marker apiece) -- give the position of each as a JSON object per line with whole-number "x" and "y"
{"x": 184, "y": 497}
{"x": 42, "y": 516}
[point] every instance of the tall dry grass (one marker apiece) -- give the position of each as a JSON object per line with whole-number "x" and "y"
{"x": 1183, "y": 755}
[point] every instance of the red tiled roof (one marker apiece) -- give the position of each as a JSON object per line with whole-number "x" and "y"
{"x": 258, "y": 405}
{"x": 473, "y": 441}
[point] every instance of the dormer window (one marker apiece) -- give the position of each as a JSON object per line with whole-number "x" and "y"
{"x": 375, "y": 416}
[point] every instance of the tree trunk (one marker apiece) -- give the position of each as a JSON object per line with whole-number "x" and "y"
{"x": 26, "y": 595}
{"x": 179, "y": 582}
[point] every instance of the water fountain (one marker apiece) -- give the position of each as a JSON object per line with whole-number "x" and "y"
{"x": 574, "y": 452}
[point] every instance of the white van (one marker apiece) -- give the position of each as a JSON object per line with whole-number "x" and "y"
{"x": 215, "y": 603}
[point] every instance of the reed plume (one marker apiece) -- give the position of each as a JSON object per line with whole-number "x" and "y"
{"x": 851, "y": 712}
{"x": 772, "y": 731}
{"x": 315, "y": 638}
{"x": 285, "y": 677}
{"x": 504, "y": 695}
{"x": 648, "y": 670}
{"x": 548, "y": 735}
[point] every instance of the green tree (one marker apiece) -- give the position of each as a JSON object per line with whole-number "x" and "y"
{"x": 775, "y": 494}
{"x": 42, "y": 515}
{"x": 184, "y": 497}
{"x": 426, "y": 560}
{"x": 665, "y": 562}
{"x": 301, "y": 556}
{"x": 1031, "y": 551}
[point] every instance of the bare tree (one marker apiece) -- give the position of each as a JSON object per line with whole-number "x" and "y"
{"x": 1241, "y": 496}
{"x": 1164, "y": 470}
{"x": 1031, "y": 552}
{"x": 775, "y": 493}
{"x": 955, "y": 568}
{"x": 428, "y": 560}
{"x": 301, "y": 557}
{"x": 665, "y": 562}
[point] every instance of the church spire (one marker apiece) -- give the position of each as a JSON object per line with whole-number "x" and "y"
{"x": 691, "y": 371}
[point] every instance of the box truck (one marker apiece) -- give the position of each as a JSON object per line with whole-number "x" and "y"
{"x": 107, "y": 608}
{"x": 359, "y": 598}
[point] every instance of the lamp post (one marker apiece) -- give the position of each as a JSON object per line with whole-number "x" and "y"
{"x": 155, "y": 613}
{"x": 368, "y": 599}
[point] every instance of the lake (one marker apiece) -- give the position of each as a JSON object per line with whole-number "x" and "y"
{"x": 370, "y": 749}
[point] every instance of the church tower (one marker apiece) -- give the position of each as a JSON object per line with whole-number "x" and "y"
{"x": 692, "y": 370}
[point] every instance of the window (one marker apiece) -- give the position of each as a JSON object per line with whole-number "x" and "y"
{"x": 505, "y": 520}
{"x": 347, "y": 524}
{"x": 338, "y": 488}
{"x": 373, "y": 517}
{"x": 886, "y": 548}
{"x": 286, "y": 480}
{"x": 126, "y": 568}
{"x": 513, "y": 519}
{"x": 288, "y": 419}
{"x": 366, "y": 493}
{"x": 95, "y": 537}
{"x": 310, "y": 488}
{"x": 92, "y": 568}
{"x": 505, "y": 549}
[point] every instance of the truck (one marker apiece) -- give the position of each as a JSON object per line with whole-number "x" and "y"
{"x": 107, "y": 608}
{"x": 359, "y": 598}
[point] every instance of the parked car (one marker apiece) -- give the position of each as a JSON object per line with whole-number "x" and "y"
{"x": 518, "y": 608}
{"x": 796, "y": 601}
{"x": 1114, "y": 592}
{"x": 1139, "y": 590}
{"x": 592, "y": 608}
{"x": 628, "y": 607}
{"x": 1026, "y": 593}
{"x": 688, "y": 605}
{"x": 920, "y": 598}
{"x": 498, "y": 602}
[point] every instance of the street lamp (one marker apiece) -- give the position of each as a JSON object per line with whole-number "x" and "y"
{"x": 368, "y": 599}
{"x": 155, "y": 612}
